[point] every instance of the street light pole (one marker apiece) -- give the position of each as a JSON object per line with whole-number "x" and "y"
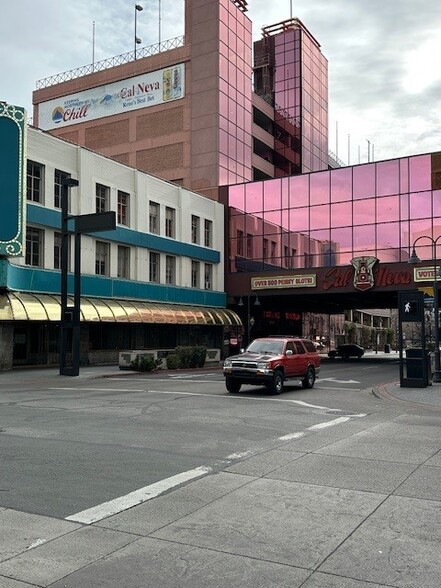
{"x": 138, "y": 41}
{"x": 249, "y": 318}
{"x": 66, "y": 184}
{"x": 415, "y": 259}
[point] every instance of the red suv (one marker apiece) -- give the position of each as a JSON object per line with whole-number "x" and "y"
{"x": 270, "y": 362}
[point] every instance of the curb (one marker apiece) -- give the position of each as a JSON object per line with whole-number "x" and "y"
{"x": 382, "y": 393}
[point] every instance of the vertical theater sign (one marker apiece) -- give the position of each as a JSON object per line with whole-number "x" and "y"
{"x": 12, "y": 180}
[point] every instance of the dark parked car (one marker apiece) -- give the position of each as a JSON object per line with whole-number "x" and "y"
{"x": 346, "y": 351}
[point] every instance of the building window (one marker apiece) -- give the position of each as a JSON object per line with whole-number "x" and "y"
{"x": 34, "y": 182}
{"x": 57, "y": 250}
{"x": 240, "y": 247}
{"x": 59, "y": 176}
{"x": 208, "y": 233}
{"x": 273, "y": 252}
{"x": 195, "y": 224}
{"x": 102, "y": 259}
{"x": 123, "y": 262}
{"x": 293, "y": 257}
{"x": 34, "y": 247}
{"x": 123, "y": 208}
{"x": 195, "y": 274}
{"x": 265, "y": 249}
{"x": 102, "y": 198}
{"x": 208, "y": 276}
{"x": 154, "y": 218}
{"x": 170, "y": 269}
{"x": 249, "y": 246}
{"x": 170, "y": 222}
{"x": 154, "y": 267}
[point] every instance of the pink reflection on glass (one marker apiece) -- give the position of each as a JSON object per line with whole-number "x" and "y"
{"x": 364, "y": 212}
{"x": 364, "y": 181}
{"x": 420, "y": 228}
{"x": 388, "y": 178}
{"x": 284, "y": 186}
{"x": 320, "y": 188}
{"x": 341, "y": 214}
{"x": 404, "y": 175}
{"x": 298, "y": 219}
{"x": 420, "y": 168}
{"x": 388, "y": 235}
{"x": 405, "y": 236}
{"x": 272, "y": 194}
{"x": 254, "y": 197}
{"x": 319, "y": 216}
{"x": 421, "y": 205}
{"x": 236, "y": 197}
{"x": 364, "y": 237}
{"x": 388, "y": 208}
{"x": 342, "y": 238}
{"x": 274, "y": 217}
{"x": 437, "y": 204}
{"x": 341, "y": 185}
{"x": 299, "y": 191}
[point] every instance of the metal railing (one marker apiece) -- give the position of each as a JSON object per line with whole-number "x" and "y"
{"x": 111, "y": 62}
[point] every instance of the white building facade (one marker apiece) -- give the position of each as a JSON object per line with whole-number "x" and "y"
{"x": 155, "y": 282}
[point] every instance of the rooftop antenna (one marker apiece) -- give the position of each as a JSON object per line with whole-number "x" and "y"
{"x": 93, "y": 46}
{"x": 159, "y": 13}
{"x": 290, "y": 9}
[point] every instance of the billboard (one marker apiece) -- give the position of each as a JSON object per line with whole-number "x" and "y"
{"x": 13, "y": 129}
{"x": 148, "y": 89}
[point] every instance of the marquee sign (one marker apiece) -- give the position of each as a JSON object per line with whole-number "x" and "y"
{"x": 299, "y": 281}
{"x": 425, "y": 274}
{"x": 12, "y": 180}
{"x": 148, "y": 89}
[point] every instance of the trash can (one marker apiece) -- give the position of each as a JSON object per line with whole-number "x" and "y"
{"x": 414, "y": 364}
{"x": 387, "y": 348}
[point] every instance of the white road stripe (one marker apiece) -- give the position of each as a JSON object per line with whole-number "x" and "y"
{"x": 239, "y": 455}
{"x": 326, "y": 424}
{"x": 291, "y": 436}
{"x": 102, "y": 511}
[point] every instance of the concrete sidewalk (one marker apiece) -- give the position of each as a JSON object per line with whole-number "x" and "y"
{"x": 352, "y": 506}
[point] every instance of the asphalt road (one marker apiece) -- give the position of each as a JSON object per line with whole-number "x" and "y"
{"x": 167, "y": 480}
{"x": 71, "y": 445}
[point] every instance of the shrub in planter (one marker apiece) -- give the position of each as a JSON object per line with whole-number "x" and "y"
{"x": 199, "y": 353}
{"x": 173, "y": 361}
{"x": 145, "y": 364}
{"x": 185, "y": 356}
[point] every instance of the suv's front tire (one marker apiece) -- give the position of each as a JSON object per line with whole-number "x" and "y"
{"x": 276, "y": 385}
{"x": 232, "y": 385}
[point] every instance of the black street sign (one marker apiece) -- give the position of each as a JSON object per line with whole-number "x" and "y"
{"x": 92, "y": 223}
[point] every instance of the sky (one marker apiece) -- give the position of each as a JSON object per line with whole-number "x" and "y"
{"x": 384, "y": 58}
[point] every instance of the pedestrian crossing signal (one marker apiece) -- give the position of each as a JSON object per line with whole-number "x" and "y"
{"x": 411, "y": 308}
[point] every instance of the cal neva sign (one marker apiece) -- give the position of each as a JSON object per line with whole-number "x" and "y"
{"x": 12, "y": 180}
{"x": 149, "y": 89}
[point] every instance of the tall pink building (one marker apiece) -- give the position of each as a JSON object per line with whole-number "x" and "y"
{"x": 188, "y": 113}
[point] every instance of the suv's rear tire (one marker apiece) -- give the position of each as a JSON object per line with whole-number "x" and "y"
{"x": 309, "y": 379}
{"x": 232, "y": 385}
{"x": 276, "y": 386}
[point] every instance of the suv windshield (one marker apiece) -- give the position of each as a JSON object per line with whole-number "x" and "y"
{"x": 266, "y": 347}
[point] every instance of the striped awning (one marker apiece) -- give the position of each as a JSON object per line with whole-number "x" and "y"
{"x": 20, "y": 306}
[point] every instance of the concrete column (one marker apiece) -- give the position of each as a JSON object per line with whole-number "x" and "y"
{"x": 6, "y": 347}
